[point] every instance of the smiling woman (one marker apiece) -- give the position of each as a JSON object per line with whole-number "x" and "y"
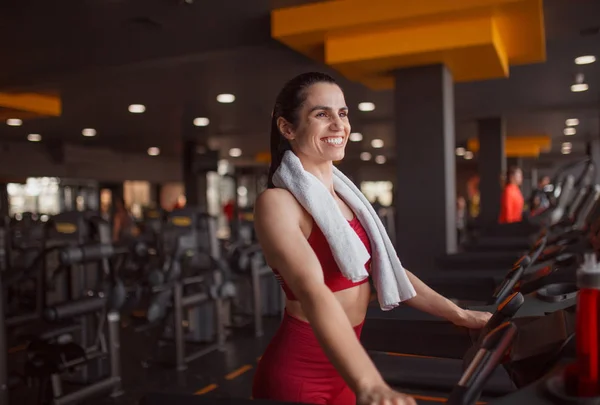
{"x": 309, "y": 358}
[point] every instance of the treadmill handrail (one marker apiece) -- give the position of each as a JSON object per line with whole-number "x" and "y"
{"x": 492, "y": 351}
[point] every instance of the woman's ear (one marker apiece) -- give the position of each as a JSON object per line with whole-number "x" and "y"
{"x": 285, "y": 128}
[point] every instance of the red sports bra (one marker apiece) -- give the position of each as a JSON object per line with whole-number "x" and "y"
{"x": 334, "y": 278}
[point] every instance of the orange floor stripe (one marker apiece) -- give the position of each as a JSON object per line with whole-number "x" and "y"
{"x": 206, "y": 389}
{"x": 238, "y": 372}
{"x": 411, "y": 355}
{"x": 437, "y": 399}
{"x": 17, "y": 349}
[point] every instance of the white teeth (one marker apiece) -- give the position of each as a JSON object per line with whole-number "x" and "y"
{"x": 334, "y": 141}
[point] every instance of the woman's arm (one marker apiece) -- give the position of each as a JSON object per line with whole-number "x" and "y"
{"x": 428, "y": 300}
{"x": 277, "y": 223}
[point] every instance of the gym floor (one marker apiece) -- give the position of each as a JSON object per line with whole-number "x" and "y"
{"x": 219, "y": 374}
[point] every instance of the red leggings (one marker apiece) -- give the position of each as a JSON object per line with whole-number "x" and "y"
{"x": 294, "y": 368}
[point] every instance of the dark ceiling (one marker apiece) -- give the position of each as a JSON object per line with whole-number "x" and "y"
{"x": 103, "y": 55}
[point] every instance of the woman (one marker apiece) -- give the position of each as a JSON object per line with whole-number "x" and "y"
{"x": 512, "y": 203}
{"x": 123, "y": 224}
{"x": 316, "y": 355}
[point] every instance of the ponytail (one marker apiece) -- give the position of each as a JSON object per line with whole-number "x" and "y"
{"x": 279, "y": 145}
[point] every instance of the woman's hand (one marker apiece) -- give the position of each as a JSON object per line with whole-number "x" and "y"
{"x": 472, "y": 319}
{"x": 383, "y": 395}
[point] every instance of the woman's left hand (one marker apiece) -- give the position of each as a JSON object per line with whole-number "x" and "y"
{"x": 472, "y": 319}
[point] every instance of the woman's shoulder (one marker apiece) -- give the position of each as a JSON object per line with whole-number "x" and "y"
{"x": 275, "y": 199}
{"x": 277, "y": 203}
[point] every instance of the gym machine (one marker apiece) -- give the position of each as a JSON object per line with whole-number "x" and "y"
{"x": 51, "y": 358}
{"x": 48, "y": 328}
{"x": 247, "y": 261}
{"x": 547, "y": 288}
{"x": 194, "y": 283}
{"x": 505, "y": 254}
{"x": 473, "y": 285}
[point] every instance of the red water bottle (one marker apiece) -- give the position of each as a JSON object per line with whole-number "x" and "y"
{"x": 588, "y": 336}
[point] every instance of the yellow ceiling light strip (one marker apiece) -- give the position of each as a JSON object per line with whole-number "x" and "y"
{"x": 526, "y": 146}
{"x": 31, "y": 104}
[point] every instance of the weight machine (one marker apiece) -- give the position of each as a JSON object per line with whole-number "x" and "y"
{"x": 190, "y": 288}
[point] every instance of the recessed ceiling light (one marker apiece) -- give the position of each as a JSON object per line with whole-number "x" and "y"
{"x": 468, "y": 155}
{"x": 225, "y": 98}
{"x": 34, "y": 137}
{"x": 572, "y": 122}
{"x": 201, "y": 121}
{"x": 460, "y": 151}
{"x": 366, "y": 106}
{"x": 365, "y": 156}
{"x": 579, "y": 87}
{"x": 137, "y": 108}
{"x": 153, "y": 151}
{"x": 235, "y": 152}
{"x": 380, "y": 159}
{"x": 569, "y": 131}
{"x": 89, "y": 132}
{"x": 356, "y": 137}
{"x": 377, "y": 143}
{"x": 14, "y": 122}
{"x": 585, "y": 60}
{"x": 566, "y": 146}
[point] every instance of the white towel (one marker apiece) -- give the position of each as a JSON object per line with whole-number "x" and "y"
{"x": 389, "y": 277}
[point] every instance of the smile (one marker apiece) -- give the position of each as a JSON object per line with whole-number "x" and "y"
{"x": 337, "y": 140}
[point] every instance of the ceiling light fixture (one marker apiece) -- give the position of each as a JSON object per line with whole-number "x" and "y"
{"x": 235, "y": 152}
{"x": 460, "y": 151}
{"x": 89, "y": 132}
{"x": 137, "y": 108}
{"x": 34, "y": 137}
{"x": 572, "y": 122}
{"x": 579, "y": 85}
{"x": 14, "y": 122}
{"x": 585, "y": 60}
{"x": 153, "y": 151}
{"x": 201, "y": 121}
{"x": 377, "y": 143}
{"x": 365, "y": 156}
{"x": 366, "y": 106}
{"x": 578, "y": 88}
{"x": 468, "y": 155}
{"x": 225, "y": 98}
{"x": 380, "y": 159}
{"x": 569, "y": 131}
{"x": 356, "y": 137}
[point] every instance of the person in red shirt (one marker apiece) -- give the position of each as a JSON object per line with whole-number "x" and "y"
{"x": 512, "y": 203}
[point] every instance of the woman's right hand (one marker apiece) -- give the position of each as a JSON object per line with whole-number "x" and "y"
{"x": 383, "y": 395}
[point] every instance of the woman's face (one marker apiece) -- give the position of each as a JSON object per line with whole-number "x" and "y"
{"x": 323, "y": 128}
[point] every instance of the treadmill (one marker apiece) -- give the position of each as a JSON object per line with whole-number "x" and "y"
{"x": 538, "y": 339}
{"x": 561, "y": 215}
{"x": 502, "y": 257}
{"x": 478, "y": 286}
{"x": 546, "y": 289}
{"x": 561, "y": 190}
